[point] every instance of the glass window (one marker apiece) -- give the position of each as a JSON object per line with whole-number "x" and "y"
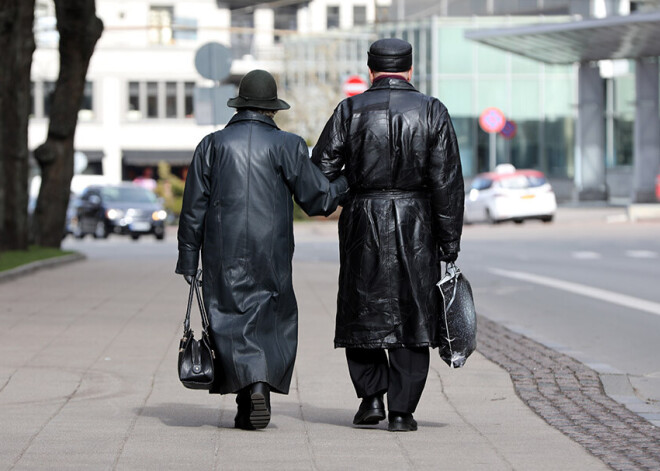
{"x": 87, "y": 98}
{"x": 170, "y": 99}
{"x": 522, "y": 65}
{"x": 160, "y": 25}
{"x": 332, "y": 17}
{"x": 525, "y": 146}
{"x": 525, "y": 99}
{"x": 241, "y": 39}
{"x": 359, "y": 15}
{"x": 133, "y": 96}
{"x": 491, "y": 60}
{"x": 492, "y": 92}
{"x": 558, "y": 100}
{"x": 189, "y": 91}
{"x": 49, "y": 89}
{"x": 455, "y": 51}
{"x": 456, "y": 94}
{"x": 467, "y": 7}
{"x": 152, "y": 100}
{"x": 185, "y": 28}
{"x": 382, "y": 14}
{"x": 559, "y": 143}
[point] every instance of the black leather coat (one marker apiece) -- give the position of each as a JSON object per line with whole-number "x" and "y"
{"x": 237, "y": 208}
{"x": 405, "y": 212}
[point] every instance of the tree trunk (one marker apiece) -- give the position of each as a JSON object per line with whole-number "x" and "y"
{"x": 79, "y": 30}
{"x": 16, "y": 48}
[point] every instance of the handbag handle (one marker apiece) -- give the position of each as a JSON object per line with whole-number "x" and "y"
{"x": 194, "y": 288}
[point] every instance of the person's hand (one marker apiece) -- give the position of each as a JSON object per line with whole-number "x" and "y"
{"x": 189, "y": 278}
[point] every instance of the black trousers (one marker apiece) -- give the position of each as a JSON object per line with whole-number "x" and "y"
{"x": 402, "y": 376}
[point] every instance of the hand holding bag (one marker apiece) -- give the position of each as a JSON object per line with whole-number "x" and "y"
{"x": 196, "y": 357}
{"x": 457, "y": 326}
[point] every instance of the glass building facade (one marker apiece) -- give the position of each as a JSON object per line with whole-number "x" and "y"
{"x": 469, "y": 77}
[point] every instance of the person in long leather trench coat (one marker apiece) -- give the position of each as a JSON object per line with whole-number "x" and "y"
{"x": 238, "y": 210}
{"x": 404, "y": 216}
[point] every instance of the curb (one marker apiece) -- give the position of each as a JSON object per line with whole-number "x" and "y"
{"x": 29, "y": 268}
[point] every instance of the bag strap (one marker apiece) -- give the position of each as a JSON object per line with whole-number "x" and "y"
{"x": 195, "y": 289}
{"x": 200, "y": 301}
{"x": 186, "y": 322}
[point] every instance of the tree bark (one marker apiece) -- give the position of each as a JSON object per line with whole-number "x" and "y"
{"x": 16, "y": 48}
{"x": 79, "y": 30}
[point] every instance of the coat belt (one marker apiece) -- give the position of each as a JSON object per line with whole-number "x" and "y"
{"x": 392, "y": 194}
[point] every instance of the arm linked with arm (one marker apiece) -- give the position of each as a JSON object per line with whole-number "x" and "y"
{"x": 311, "y": 189}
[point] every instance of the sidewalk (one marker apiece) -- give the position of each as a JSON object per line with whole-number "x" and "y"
{"x": 88, "y": 381}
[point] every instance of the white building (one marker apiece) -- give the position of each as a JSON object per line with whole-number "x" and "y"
{"x": 139, "y": 105}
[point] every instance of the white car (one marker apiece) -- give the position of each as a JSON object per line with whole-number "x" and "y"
{"x": 508, "y": 194}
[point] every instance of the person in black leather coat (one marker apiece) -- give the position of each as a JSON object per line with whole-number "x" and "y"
{"x": 398, "y": 149}
{"x": 238, "y": 211}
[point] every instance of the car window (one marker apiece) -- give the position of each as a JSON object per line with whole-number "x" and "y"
{"x": 535, "y": 181}
{"x": 128, "y": 194}
{"x": 482, "y": 183}
{"x": 521, "y": 182}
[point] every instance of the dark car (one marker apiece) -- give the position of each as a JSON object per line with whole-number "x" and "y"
{"x": 119, "y": 209}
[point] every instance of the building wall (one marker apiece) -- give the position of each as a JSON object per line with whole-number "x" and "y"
{"x": 149, "y": 48}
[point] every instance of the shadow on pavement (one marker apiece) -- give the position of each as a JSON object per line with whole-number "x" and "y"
{"x": 182, "y": 415}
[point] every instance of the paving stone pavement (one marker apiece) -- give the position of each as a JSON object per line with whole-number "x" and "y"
{"x": 570, "y": 397}
{"x": 87, "y": 381}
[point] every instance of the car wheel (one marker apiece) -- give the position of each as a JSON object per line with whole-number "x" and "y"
{"x": 547, "y": 219}
{"x": 135, "y": 236}
{"x": 489, "y": 218}
{"x": 100, "y": 231}
{"x": 78, "y": 233}
{"x": 518, "y": 221}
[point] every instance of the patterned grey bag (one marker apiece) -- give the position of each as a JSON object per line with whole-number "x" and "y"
{"x": 457, "y": 326}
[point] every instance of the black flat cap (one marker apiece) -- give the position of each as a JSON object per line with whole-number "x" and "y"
{"x": 390, "y": 55}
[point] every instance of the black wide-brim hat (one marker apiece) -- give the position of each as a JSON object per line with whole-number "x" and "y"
{"x": 258, "y": 90}
{"x": 390, "y": 55}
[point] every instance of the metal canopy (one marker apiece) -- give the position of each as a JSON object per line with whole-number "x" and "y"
{"x": 621, "y": 37}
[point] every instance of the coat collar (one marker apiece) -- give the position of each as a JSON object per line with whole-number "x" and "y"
{"x": 249, "y": 115}
{"x": 392, "y": 83}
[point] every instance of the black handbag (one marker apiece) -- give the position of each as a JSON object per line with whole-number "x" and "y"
{"x": 457, "y": 326}
{"x": 196, "y": 357}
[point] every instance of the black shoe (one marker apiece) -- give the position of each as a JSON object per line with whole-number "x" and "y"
{"x": 401, "y": 422}
{"x": 371, "y": 411}
{"x": 253, "y": 407}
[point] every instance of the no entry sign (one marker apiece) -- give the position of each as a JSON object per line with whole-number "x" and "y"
{"x": 354, "y": 85}
{"x": 492, "y": 120}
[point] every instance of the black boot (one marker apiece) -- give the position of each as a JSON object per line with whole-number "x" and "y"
{"x": 401, "y": 422}
{"x": 242, "y": 419}
{"x": 259, "y": 405}
{"x": 371, "y": 410}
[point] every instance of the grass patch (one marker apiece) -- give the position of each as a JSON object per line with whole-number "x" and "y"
{"x": 15, "y": 258}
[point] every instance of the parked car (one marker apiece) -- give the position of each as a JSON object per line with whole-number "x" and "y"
{"x": 119, "y": 209}
{"x": 508, "y": 194}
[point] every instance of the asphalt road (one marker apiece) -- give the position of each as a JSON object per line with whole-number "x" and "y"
{"x": 587, "y": 285}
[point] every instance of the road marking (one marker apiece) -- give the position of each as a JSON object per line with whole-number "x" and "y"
{"x": 584, "y": 255}
{"x": 584, "y": 290}
{"x": 641, "y": 254}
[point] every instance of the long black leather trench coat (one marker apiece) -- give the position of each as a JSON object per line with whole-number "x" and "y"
{"x": 237, "y": 208}
{"x": 405, "y": 212}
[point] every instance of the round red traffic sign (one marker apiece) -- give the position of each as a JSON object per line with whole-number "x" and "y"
{"x": 354, "y": 85}
{"x": 509, "y": 130}
{"x": 492, "y": 120}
